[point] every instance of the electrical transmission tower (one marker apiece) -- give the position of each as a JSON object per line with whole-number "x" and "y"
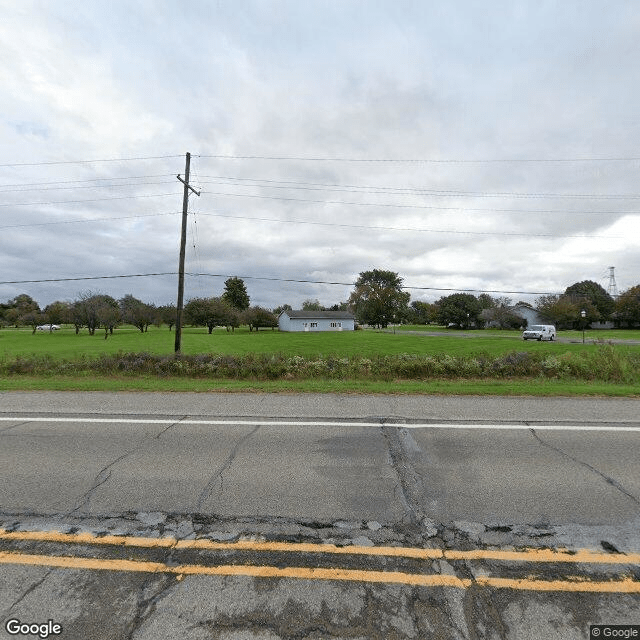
{"x": 612, "y": 289}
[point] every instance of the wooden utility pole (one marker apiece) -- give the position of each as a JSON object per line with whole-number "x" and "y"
{"x": 183, "y": 244}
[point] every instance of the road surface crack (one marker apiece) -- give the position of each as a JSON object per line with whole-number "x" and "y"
{"x": 410, "y": 484}
{"x": 105, "y": 473}
{"x": 14, "y": 426}
{"x": 29, "y": 590}
{"x": 146, "y": 607}
{"x": 611, "y": 481}
{"x": 218, "y": 477}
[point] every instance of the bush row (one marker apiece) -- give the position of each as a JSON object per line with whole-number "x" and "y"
{"x": 606, "y": 363}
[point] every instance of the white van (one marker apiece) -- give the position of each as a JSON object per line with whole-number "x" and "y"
{"x": 540, "y": 332}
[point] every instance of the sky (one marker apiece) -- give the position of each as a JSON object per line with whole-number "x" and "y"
{"x": 465, "y": 145}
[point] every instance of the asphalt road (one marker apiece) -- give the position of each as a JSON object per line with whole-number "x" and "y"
{"x": 165, "y": 506}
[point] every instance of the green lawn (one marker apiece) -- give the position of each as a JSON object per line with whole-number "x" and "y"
{"x": 544, "y": 388}
{"x": 66, "y": 344}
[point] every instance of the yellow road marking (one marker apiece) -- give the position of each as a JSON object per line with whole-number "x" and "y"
{"x": 529, "y": 555}
{"x": 626, "y": 585}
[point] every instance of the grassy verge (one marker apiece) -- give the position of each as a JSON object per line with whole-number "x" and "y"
{"x": 543, "y": 388}
{"x": 355, "y": 362}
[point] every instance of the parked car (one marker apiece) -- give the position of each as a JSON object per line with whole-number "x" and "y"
{"x": 48, "y": 327}
{"x": 539, "y": 332}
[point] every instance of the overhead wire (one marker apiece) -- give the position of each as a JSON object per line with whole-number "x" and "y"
{"x": 440, "y": 193}
{"x": 406, "y": 206}
{"x": 412, "y": 229}
{"x": 57, "y": 202}
{"x": 369, "y": 227}
{"x": 416, "y": 160}
{"x": 29, "y": 184}
{"x": 94, "y": 160}
{"x": 194, "y": 226}
{"x": 272, "y": 279}
{"x": 85, "y": 220}
{"x": 88, "y": 186}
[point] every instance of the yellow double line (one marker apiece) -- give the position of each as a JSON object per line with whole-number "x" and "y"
{"x": 574, "y": 584}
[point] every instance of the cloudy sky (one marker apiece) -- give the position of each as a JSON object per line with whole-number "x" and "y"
{"x": 465, "y": 145}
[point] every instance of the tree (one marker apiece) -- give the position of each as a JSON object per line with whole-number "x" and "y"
{"x": 24, "y": 303}
{"x": 628, "y": 307}
{"x": 208, "y": 312}
{"x": 312, "y": 305}
{"x": 564, "y": 312}
{"x": 498, "y": 312}
{"x": 166, "y": 314}
{"x": 22, "y": 309}
{"x": 378, "y": 298}
{"x": 235, "y": 293}
{"x": 32, "y": 318}
{"x": 257, "y": 317}
{"x": 462, "y": 309}
{"x": 285, "y": 307}
{"x": 91, "y": 309}
{"x": 58, "y": 312}
{"x": 591, "y": 291}
{"x": 136, "y": 312}
{"x": 425, "y": 313}
{"x": 108, "y": 315}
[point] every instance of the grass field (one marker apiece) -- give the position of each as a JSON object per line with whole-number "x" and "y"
{"x": 66, "y": 344}
{"x": 465, "y": 347}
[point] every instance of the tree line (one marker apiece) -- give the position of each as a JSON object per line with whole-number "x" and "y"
{"x": 98, "y": 311}
{"x": 378, "y": 299}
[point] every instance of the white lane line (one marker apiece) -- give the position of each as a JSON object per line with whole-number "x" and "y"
{"x": 327, "y": 423}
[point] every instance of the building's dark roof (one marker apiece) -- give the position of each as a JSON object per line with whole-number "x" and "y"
{"x": 314, "y": 315}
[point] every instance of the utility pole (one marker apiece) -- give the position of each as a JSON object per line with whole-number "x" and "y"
{"x": 183, "y": 244}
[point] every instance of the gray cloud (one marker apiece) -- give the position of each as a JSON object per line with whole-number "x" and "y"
{"x": 394, "y": 80}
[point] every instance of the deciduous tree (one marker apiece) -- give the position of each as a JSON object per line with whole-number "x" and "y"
{"x": 628, "y": 307}
{"x": 257, "y": 317}
{"x": 135, "y": 312}
{"x": 235, "y": 293}
{"x": 378, "y": 298}
{"x": 588, "y": 290}
{"x": 462, "y": 309}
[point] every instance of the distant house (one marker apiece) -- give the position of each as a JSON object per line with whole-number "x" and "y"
{"x": 527, "y": 312}
{"x": 316, "y": 321}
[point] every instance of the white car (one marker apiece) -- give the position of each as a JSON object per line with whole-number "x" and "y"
{"x": 539, "y": 332}
{"x": 48, "y": 327}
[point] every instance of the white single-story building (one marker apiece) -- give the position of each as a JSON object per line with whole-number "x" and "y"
{"x": 316, "y": 321}
{"x": 527, "y": 312}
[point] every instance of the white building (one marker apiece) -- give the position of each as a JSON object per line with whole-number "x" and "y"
{"x": 316, "y": 321}
{"x": 527, "y": 312}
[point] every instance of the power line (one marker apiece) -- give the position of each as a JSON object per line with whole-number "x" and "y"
{"x": 324, "y": 159}
{"x": 88, "y": 186}
{"x": 42, "y": 224}
{"x": 413, "y": 206}
{"x": 32, "y": 184}
{"x": 270, "y": 279}
{"x": 128, "y": 275}
{"x": 440, "y": 193}
{"x": 417, "y": 160}
{"x": 422, "y": 230}
{"x": 54, "y": 162}
{"x": 311, "y": 222}
{"x": 31, "y": 204}
{"x": 311, "y": 186}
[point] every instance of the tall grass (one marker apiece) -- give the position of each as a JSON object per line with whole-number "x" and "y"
{"x": 605, "y": 363}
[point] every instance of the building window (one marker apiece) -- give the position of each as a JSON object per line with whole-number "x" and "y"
{"x": 314, "y": 324}
{"x": 335, "y": 325}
